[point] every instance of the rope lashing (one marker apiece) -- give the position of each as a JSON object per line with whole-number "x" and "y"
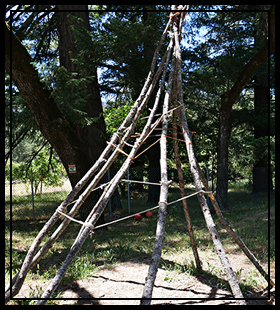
{"x": 121, "y": 151}
{"x": 141, "y": 182}
{"x": 130, "y": 216}
{"x": 147, "y": 148}
{"x": 74, "y": 220}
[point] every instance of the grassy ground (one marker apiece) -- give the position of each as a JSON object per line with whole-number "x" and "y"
{"x": 247, "y": 215}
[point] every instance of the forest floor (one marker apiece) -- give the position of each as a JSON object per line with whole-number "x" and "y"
{"x": 113, "y": 263}
{"x": 123, "y": 284}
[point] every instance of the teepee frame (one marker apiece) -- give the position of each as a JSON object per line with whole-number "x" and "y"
{"x": 173, "y": 95}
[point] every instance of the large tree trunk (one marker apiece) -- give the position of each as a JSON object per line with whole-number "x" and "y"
{"x": 49, "y": 118}
{"x": 227, "y": 101}
{"x": 90, "y": 144}
{"x": 262, "y": 177}
{"x": 222, "y": 151}
{"x": 47, "y": 115}
{"x": 92, "y": 137}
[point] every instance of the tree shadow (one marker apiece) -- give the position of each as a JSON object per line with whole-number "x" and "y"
{"x": 87, "y": 298}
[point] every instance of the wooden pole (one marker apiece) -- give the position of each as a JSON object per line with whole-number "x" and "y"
{"x": 32, "y": 193}
{"x": 108, "y": 191}
{"x": 150, "y": 279}
{"x": 182, "y": 192}
{"x": 234, "y": 236}
{"x": 193, "y": 167}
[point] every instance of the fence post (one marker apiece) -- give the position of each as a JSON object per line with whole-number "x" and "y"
{"x": 32, "y": 195}
{"x": 110, "y": 204}
{"x": 128, "y": 193}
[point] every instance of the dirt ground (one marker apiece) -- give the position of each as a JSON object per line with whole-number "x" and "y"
{"x": 126, "y": 280}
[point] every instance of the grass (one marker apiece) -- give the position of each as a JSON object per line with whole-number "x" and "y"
{"x": 247, "y": 215}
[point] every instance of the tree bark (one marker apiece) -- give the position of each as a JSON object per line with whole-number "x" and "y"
{"x": 47, "y": 115}
{"x": 262, "y": 177}
{"x": 92, "y": 137}
{"x": 49, "y": 118}
{"x": 150, "y": 279}
{"x": 182, "y": 192}
{"x": 227, "y": 101}
{"x": 195, "y": 173}
{"x": 222, "y": 152}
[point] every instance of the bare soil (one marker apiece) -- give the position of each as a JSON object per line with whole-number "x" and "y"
{"x": 126, "y": 280}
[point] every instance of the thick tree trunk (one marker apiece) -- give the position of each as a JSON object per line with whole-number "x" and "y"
{"x": 47, "y": 115}
{"x": 262, "y": 177}
{"x": 222, "y": 152}
{"x": 92, "y": 137}
{"x": 227, "y": 101}
{"x": 49, "y": 118}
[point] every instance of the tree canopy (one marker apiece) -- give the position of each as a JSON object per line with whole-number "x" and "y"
{"x": 217, "y": 43}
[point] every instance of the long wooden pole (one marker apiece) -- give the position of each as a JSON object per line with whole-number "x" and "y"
{"x": 101, "y": 204}
{"x": 150, "y": 279}
{"x": 234, "y": 236}
{"x": 132, "y": 117}
{"x": 182, "y": 192}
{"x": 193, "y": 167}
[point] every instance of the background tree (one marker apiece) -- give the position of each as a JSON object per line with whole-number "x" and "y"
{"x": 262, "y": 176}
{"x": 129, "y": 39}
{"x": 229, "y": 45}
{"x": 58, "y": 129}
{"x": 217, "y": 47}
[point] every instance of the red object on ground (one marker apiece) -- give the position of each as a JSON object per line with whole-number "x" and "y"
{"x": 137, "y": 217}
{"x": 149, "y": 214}
{"x": 212, "y": 211}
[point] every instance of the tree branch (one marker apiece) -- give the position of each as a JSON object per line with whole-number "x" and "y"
{"x": 249, "y": 69}
{"x": 42, "y": 106}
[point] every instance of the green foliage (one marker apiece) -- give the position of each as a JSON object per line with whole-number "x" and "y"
{"x": 216, "y": 46}
{"x": 43, "y": 164}
{"x": 114, "y": 116}
{"x": 128, "y": 43}
{"x": 70, "y": 94}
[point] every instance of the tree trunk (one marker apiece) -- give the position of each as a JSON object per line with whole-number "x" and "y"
{"x": 92, "y": 137}
{"x": 262, "y": 177}
{"x": 222, "y": 152}
{"x": 227, "y": 101}
{"x": 49, "y": 118}
{"x": 47, "y": 115}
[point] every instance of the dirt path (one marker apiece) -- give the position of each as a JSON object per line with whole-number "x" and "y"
{"x": 126, "y": 280}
